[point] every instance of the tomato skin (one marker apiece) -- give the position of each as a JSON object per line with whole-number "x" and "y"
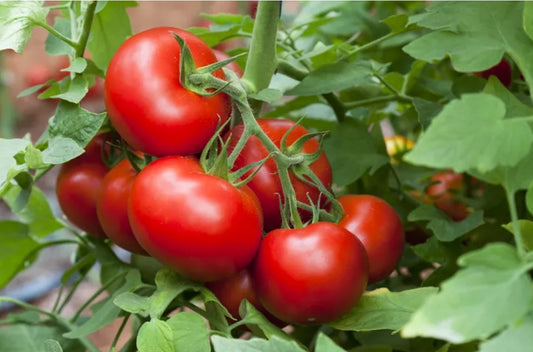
{"x": 266, "y": 184}
{"x": 112, "y": 206}
{"x": 146, "y": 102}
{"x": 76, "y": 188}
{"x": 196, "y": 224}
{"x": 78, "y": 183}
{"x": 501, "y": 70}
{"x": 220, "y": 55}
{"x": 377, "y": 225}
{"x": 310, "y": 275}
{"x": 443, "y": 193}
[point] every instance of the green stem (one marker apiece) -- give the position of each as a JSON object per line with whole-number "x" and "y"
{"x": 87, "y": 22}
{"x": 369, "y": 45}
{"x": 119, "y": 332}
{"x": 261, "y": 62}
{"x": 57, "y": 34}
{"x": 291, "y": 71}
{"x": 517, "y": 233}
{"x": 376, "y": 100}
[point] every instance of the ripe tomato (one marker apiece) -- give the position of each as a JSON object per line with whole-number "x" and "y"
{"x": 310, "y": 275}
{"x": 220, "y": 55}
{"x": 266, "y": 184}
{"x": 502, "y": 71}
{"x": 197, "y": 224}
{"x": 77, "y": 187}
{"x": 378, "y": 227}
{"x": 443, "y": 193}
{"x": 232, "y": 290}
{"x": 112, "y": 206}
{"x": 147, "y": 104}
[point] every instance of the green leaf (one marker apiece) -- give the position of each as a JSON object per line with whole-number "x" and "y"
{"x": 513, "y": 106}
{"x": 52, "y": 346}
{"x": 529, "y": 198}
{"x": 17, "y": 246}
{"x": 155, "y": 335}
{"x": 478, "y": 301}
{"x": 35, "y": 338}
{"x": 54, "y": 45}
{"x": 528, "y": 18}
{"x": 190, "y": 332}
{"x": 78, "y": 65}
{"x": 426, "y": 110}
{"x": 256, "y": 320}
{"x": 223, "y": 344}
{"x": 352, "y": 151}
{"x": 513, "y": 339}
{"x": 475, "y": 35}
{"x": 325, "y": 344}
{"x": 132, "y": 303}
{"x": 111, "y": 27}
{"x": 70, "y": 130}
{"x": 8, "y": 149}
{"x": 444, "y": 228}
{"x": 457, "y": 137}
{"x": 334, "y": 77}
{"x": 37, "y": 213}
{"x": 397, "y": 23}
{"x": 74, "y": 91}
{"x": 526, "y": 229}
{"x": 381, "y": 309}
{"x": 106, "y": 311}
{"x": 17, "y": 19}
{"x": 268, "y": 95}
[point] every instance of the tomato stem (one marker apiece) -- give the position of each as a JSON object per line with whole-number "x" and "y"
{"x": 517, "y": 233}
{"x": 86, "y": 25}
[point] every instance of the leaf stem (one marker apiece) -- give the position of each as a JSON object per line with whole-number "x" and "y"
{"x": 119, "y": 332}
{"x": 369, "y": 45}
{"x": 87, "y": 22}
{"x": 57, "y": 34}
{"x": 517, "y": 232}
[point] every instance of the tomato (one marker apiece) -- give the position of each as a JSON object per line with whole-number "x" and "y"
{"x": 147, "y": 104}
{"x": 502, "y": 71}
{"x": 443, "y": 193}
{"x": 266, "y": 184}
{"x": 310, "y": 275}
{"x": 220, "y": 55}
{"x": 378, "y": 227}
{"x": 397, "y": 146}
{"x": 196, "y": 224}
{"x": 112, "y": 206}
{"x": 234, "y": 289}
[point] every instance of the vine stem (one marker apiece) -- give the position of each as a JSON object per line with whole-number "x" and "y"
{"x": 85, "y": 29}
{"x": 517, "y": 232}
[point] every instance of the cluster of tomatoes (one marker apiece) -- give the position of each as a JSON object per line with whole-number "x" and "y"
{"x": 201, "y": 225}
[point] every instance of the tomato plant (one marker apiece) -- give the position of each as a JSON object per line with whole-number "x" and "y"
{"x": 375, "y": 223}
{"x": 312, "y": 143}
{"x": 174, "y": 120}
{"x": 214, "y": 230}
{"x": 311, "y": 275}
{"x": 266, "y": 184}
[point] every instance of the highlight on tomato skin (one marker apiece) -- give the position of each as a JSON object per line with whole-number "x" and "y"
{"x": 379, "y": 228}
{"x": 310, "y": 275}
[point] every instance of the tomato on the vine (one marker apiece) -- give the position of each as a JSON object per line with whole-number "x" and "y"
{"x": 377, "y": 225}
{"x": 196, "y": 224}
{"x": 266, "y": 183}
{"x": 112, "y": 206}
{"x": 146, "y": 102}
{"x": 310, "y": 275}
{"x": 77, "y": 187}
{"x": 444, "y": 191}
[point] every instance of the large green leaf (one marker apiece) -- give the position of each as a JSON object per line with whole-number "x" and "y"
{"x": 514, "y": 339}
{"x": 17, "y": 19}
{"x": 275, "y": 344}
{"x": 457, "y": 137}
{"x": 381, "y": 309}
{"x": 155, "y": 335}
{"x": 190, "y": 332}
{"x": 475, "y": 35}
{"x": 25, "y": 338}
{"x": 492, "y": 291}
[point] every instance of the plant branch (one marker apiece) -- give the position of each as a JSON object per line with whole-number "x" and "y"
{"x": 517, "y": 232}
{"x": 85, "y": 29}
{"x": 57, "y": 34}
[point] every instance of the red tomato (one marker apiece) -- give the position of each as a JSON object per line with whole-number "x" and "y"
{"x": 197, "y": 224}
{"x": 311, "y": 275}
{"x": 147, "y": 104}
{"x": 232, "y": 290}
{"x": 220, "y": 55}
{"x": 266, "y": 184}
{"x": 378, "y": 227}
{"x": 112, "y": 206}
{"x": 443, "y": 193}
{"x": 502, "y": 71}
